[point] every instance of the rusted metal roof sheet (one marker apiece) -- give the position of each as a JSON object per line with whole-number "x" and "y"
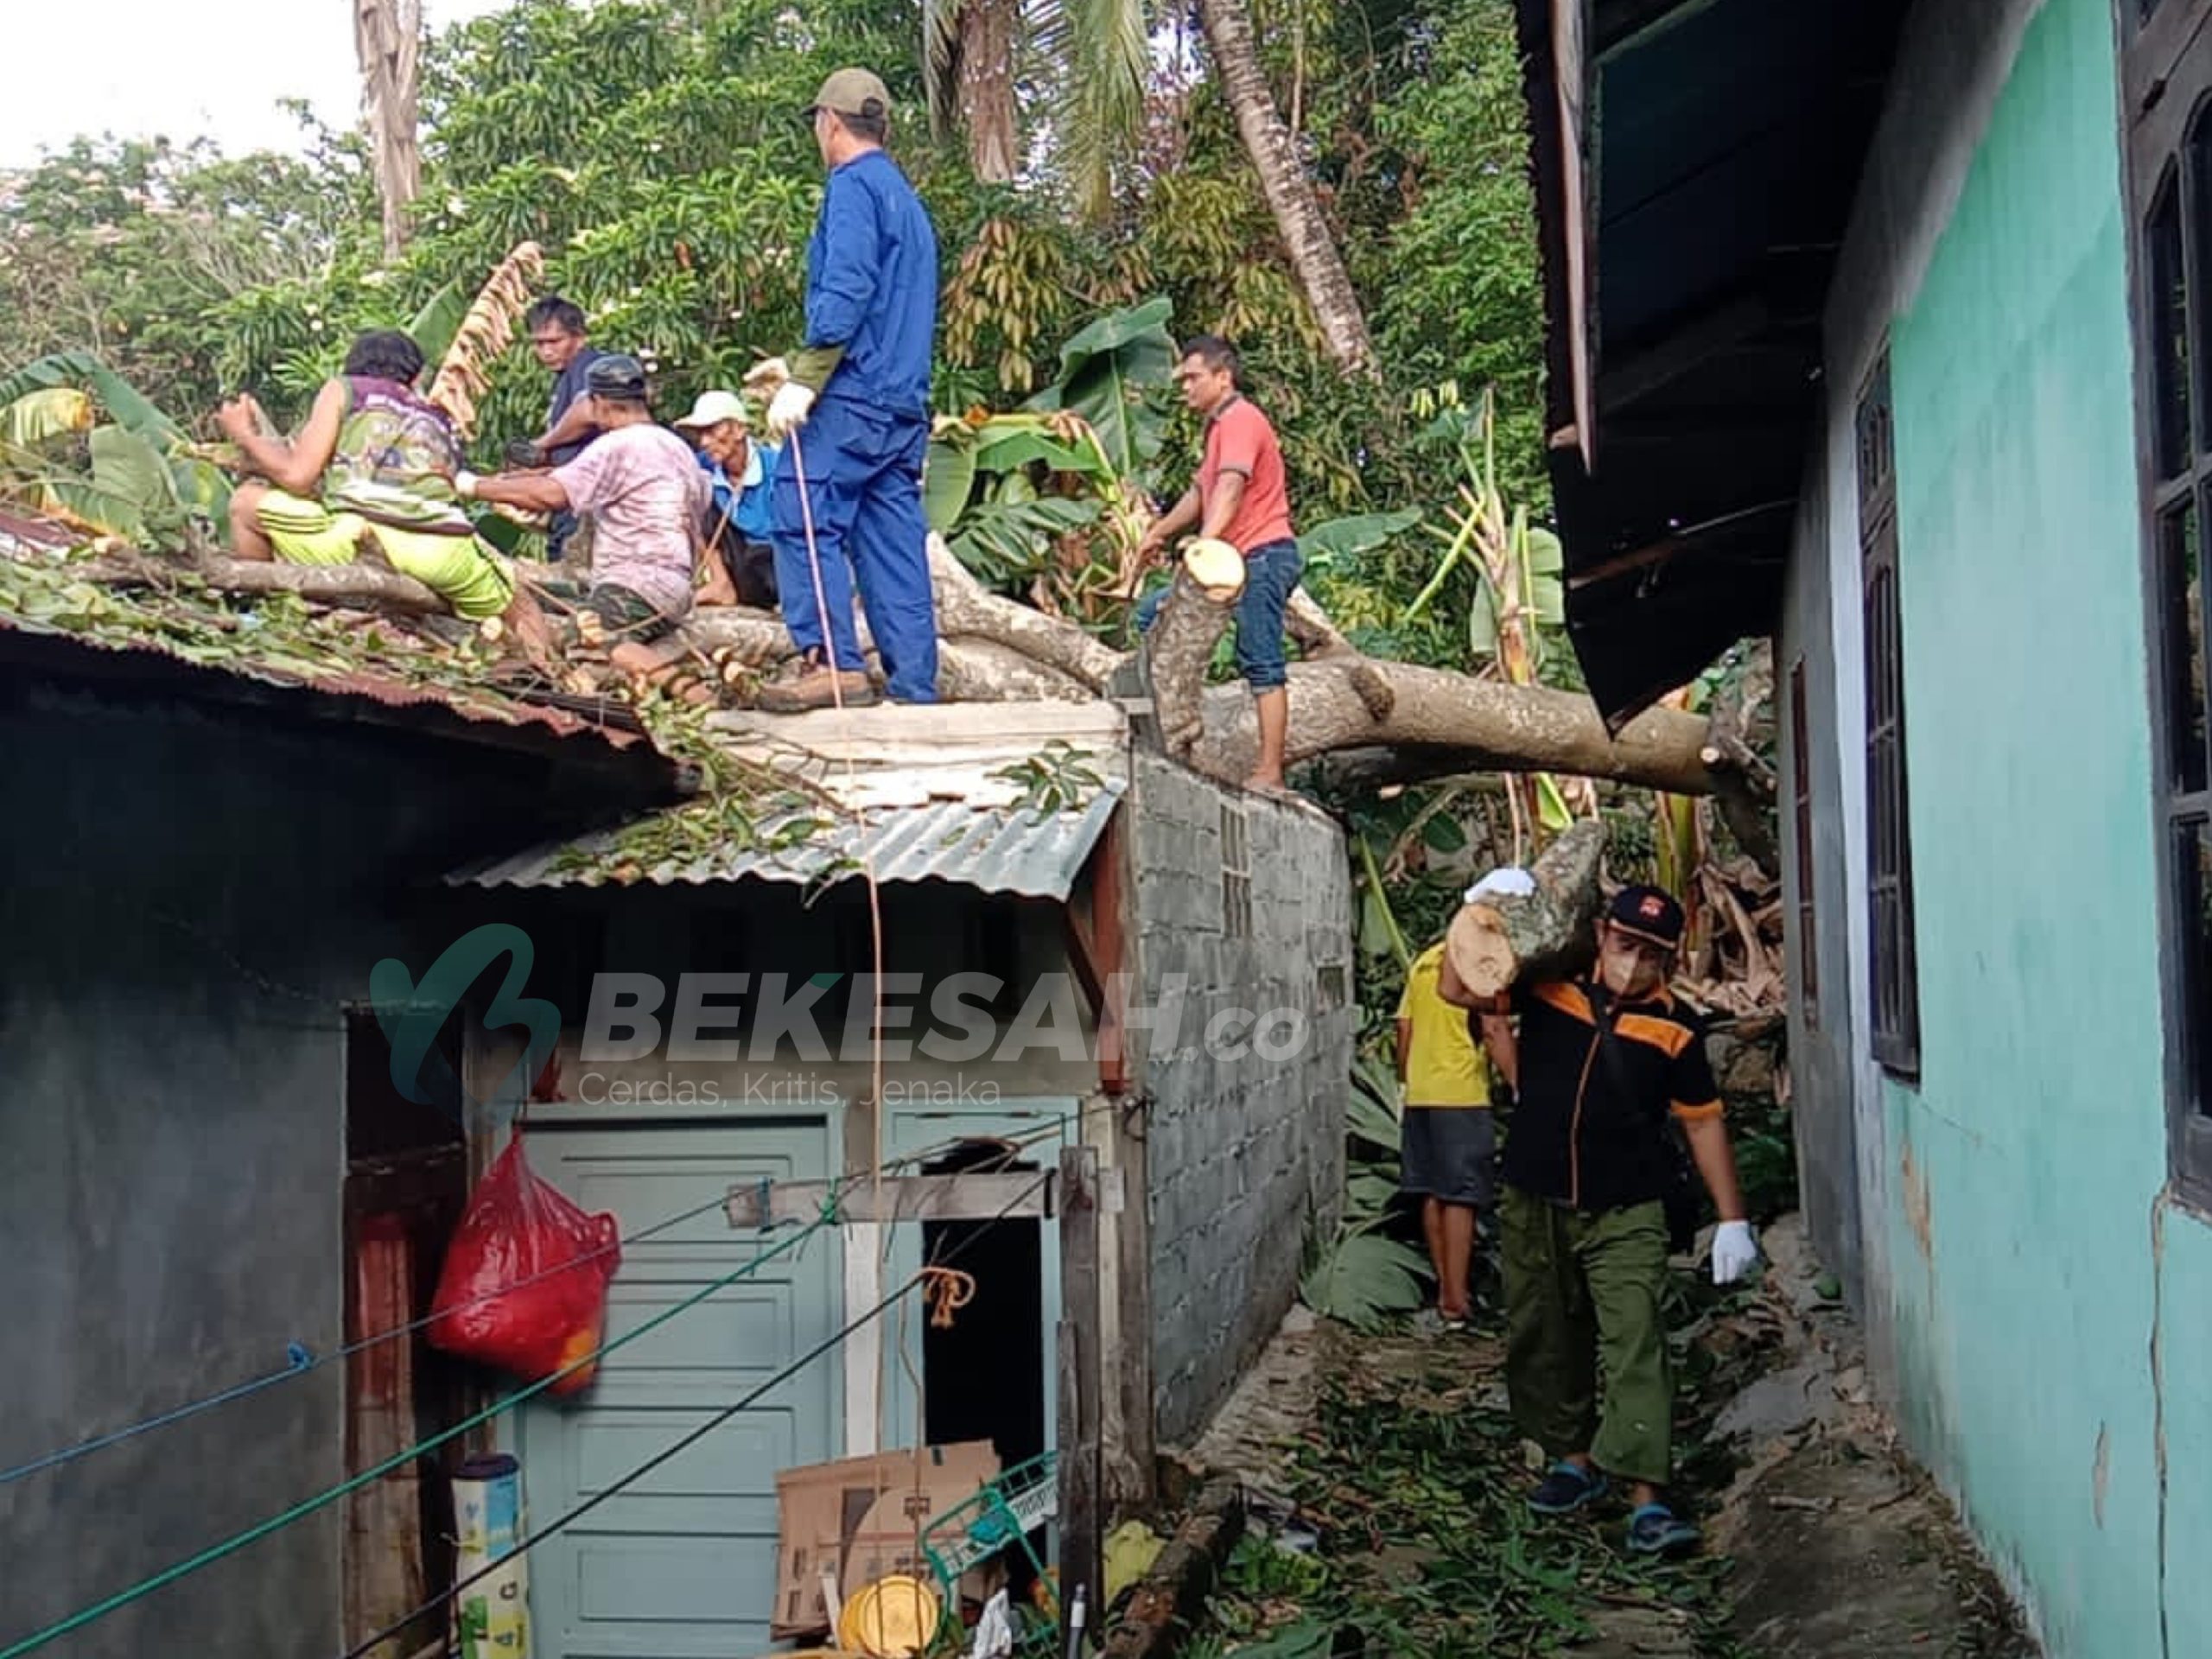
{"x": 483, "y": 707}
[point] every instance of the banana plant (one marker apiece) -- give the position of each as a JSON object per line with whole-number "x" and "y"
{"x": 134, "y": 474}
{"x": 1520, "y": 593}
{"x": 1049, "y": 496}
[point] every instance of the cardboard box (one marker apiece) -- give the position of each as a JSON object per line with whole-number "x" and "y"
{"x": 858, "y": 1517}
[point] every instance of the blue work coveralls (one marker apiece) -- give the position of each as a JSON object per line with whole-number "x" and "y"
{"x": 871, "y": 287}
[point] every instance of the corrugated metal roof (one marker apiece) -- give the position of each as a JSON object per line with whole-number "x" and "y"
{"x": 948, "y": 792}
{"x": 993, "y": 850}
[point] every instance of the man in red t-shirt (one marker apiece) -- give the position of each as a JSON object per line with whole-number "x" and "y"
{"x": 1239, "y": 499}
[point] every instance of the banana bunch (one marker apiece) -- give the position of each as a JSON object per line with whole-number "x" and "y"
{"x": 463, "y": 377}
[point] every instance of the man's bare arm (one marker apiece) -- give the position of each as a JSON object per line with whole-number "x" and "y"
{"x": 1172, "y": 523}
{"x": 574, "y": 426}
{"x": 296, "y": 466}
{"x": 538, "y": 492}
{"x": 1716, "y": 1162}
{"x": 1221, "y": 506}
{"x": 1504, "y": 1048}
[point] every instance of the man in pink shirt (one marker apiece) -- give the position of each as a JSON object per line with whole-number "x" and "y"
{"x": 645, "y": 495}
{"x": 1240, "y": 498}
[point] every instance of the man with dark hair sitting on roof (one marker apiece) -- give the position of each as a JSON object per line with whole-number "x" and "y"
{"x": 370, "y": 468}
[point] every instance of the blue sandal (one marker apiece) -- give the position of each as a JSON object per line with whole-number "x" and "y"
{"x": 1655, "y": 1529}
{"x": 1566, "y": 1489}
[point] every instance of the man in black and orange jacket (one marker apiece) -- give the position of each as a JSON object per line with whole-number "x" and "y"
{"x": 1599, "y": 1065}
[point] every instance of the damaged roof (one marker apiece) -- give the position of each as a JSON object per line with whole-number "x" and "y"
{"x": 1000, "y": 797}
{"x": 1696, "y": 162}
{"x": 63, "y": 615}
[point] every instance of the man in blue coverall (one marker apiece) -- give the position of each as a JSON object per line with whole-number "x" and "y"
{"x": 860, "y": 390}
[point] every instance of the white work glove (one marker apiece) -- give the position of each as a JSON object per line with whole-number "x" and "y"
{"x": 1511, "y": 883}
{"x": 788, "y": 409}
{"x": 1734, "y": 1251}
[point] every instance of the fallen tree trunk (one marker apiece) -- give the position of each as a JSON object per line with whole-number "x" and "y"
{"x": 1501, "y": 941}
{"x": 1488, "y": 725}
{"x": 1432, "y": 720}
{"x": 966, "y": 609}
{"x": 364, "y": 586}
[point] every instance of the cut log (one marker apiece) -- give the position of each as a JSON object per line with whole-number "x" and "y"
{"x": 1179, "y": 645}
{"x": 1499, "y": 943}
{"x": 983, "y": 671}
{"x": 1217, "y": 567}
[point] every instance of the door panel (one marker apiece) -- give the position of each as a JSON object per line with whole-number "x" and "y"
{"x": 681, "y": 1563}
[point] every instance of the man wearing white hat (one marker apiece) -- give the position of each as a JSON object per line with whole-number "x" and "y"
{"x": 741, "y": 471}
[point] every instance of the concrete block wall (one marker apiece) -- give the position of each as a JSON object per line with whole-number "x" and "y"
{"x": 1245, "y": 1148}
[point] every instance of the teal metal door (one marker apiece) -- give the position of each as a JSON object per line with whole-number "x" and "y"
{"x": 681, "y": 1564}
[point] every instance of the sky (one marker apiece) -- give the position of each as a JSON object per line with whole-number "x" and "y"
{"x": 142, "y": 68}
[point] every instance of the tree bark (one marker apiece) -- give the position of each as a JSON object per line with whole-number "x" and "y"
{"x": 387, "y": 40}
{"x": 1499, "y": 943}
{"x": 966, "y": 609}
{"x": 363, "y": 587}
{"x": 1177, "y": 650}
{"x": 1483, "y": 724}
{"x": 1289, "y": 191}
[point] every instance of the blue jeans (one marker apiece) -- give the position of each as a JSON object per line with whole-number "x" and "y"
{"x": 1271, "y": 572}
{"x": 864, "y": 489}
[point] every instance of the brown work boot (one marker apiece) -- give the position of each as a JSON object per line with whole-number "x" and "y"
{"x": 817, "y": 689}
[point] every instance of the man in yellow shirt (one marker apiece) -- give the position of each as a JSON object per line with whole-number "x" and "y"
{"x": 1448, "y": 1139}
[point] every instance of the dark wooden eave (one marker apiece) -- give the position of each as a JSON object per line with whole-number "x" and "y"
{"x": 1712, "y": 149}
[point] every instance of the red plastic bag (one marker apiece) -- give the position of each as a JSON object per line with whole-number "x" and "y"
{"x": 507, "y": 1294}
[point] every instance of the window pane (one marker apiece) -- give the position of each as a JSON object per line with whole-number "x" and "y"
{"x": 2198, "y": 177}
{"x": 2181, "y": 562}
{"x": 2193, "y": 874}
{"x": 2169, "y": 331}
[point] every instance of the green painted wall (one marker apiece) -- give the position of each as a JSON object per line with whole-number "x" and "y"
{"x": 2027, "y": 1164}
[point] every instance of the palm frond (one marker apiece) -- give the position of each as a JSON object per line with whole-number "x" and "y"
{"x": 1104, "y": 56}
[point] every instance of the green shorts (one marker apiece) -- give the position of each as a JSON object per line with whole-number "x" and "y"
{"x": 460, "y": 569}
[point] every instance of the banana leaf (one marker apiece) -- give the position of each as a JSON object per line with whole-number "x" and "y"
{"x": 1108, "y": 372}
{"x": 1348, "y": 538}
{"x": 38, "y": 416}
{"x": 130, "y": 409}
{"x": 948, "y": 476}
{"x": 1362, "y": 1278}
{"x": 1009, "y": 541}
{"x": 438, "y": 321}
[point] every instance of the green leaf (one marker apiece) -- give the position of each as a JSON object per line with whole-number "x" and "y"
{"x": 1348, "y": 538}
{"x": 1142, "y": 326}
{"x": 128, "y": 468}
{"x": 948, "y": 475}
{"x": 1444, "y": 833}
{"x": 437, "y": 323}
{"x": 1105, "y": 373}
{"x": 1003, "y": 450}
{"x": 1303, "y": 1640}
{"x": 1482, "y": 624}
{"x": 1546, "y": 557}
{"x": 1362, "y": 1278}
{"x": 1006, "y": 542}
{"x": 130, "y": 409}
{"x": 38, "y": 416}
{"x": 1547, "y": 594}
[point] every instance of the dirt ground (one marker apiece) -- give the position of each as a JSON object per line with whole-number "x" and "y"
{"x": 1385, "y": 1481}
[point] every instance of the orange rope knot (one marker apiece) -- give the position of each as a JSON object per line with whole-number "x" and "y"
{"x": 946, "y": 1290}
